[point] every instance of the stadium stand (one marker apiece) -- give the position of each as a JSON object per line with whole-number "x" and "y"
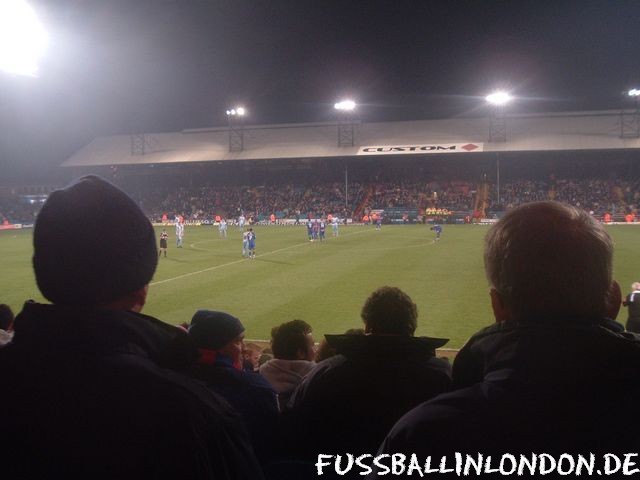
{"x": 595, "y": 195}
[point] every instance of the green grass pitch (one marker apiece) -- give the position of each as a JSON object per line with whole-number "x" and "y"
{"x": 322, "y": 283}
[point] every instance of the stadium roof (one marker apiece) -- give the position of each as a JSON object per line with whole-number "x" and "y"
{"x": 596, "y": 130}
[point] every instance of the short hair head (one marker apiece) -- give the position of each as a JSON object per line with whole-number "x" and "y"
{"x": 550, "y": 259}
{"x": 290, "y": 338}
{"x": 92, "y": 244}
{"x": 390, "y": 311}
{"x": 635, "y": 286}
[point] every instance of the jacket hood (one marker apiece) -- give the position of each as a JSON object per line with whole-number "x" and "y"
{"x": 285, "y": 375}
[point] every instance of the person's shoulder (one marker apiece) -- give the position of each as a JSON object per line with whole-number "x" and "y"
{"x": 161, "y": 385}
{"x": 5, "y": 337}
{"x": 494, "y": 330}
{"x": 323, "y": 372}
{"x": 255, "y": 380}
{"x": 196, "y": 396}
{"x": 457, "y": 411}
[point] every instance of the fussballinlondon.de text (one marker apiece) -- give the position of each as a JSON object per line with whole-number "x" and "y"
{"x": 462, "y": 464}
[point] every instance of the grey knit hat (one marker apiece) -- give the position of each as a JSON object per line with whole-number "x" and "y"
{"x": 92, "y": 244}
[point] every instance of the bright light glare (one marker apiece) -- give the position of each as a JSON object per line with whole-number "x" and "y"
{"x": 499, "y": 98}
{"x": 22, "y": 38}
{"x": 239, "y": 111}
{"x": 345, "y": 105}
{"x": 634, "y": 92}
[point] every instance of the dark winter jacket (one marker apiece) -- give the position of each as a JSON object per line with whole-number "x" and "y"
{"x": 87, "y": 393}
{"x": 543, "y": 386}
{"x": 250, "y": 394}
{"x": 349, "y": 402}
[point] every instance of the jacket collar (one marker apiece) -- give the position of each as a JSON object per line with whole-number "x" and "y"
{"x": 548, "y": 350}
{"x": 403, "y": 345}
{"x": 97, "y": 330}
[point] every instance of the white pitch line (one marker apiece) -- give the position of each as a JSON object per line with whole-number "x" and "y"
{"x": 216, "y": 267}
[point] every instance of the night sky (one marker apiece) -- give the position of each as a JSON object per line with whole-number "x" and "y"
{"x": 114, "y": 67}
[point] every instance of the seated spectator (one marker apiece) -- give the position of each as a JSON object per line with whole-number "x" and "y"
{"x": 555, "y": 373}
{"x": 632, "y": 302}
{"x": 251, "y": 354}
{"x": 87, "y": 380}
{"x": 293, "y": 349}
{"x": 350, "y": 401}
{"x": 267, "y": 354}
{"x": 324, "y": 351}
{"x": 6, "y": 323}
{"x": 219, "y": 339}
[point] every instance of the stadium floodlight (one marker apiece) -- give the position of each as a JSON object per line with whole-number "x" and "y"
{"x": 634, "y": 92}
{"x": 345, "y": 106}
{"x": 499, "y": 98}
{"x": 23, "y": 39}
{"x": 237, "y": 112}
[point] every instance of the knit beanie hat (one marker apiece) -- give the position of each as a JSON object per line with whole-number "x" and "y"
{"x": 213, "y": 330}
{"x": 92, "y": 244}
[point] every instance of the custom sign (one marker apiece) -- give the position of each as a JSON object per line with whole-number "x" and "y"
{"x": 421, "y": 148}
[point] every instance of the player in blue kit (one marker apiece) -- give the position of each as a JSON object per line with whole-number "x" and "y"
{"x": 251, "y": 240}
{"x": 438, "y": 229}
{"x": 322, "y": 227}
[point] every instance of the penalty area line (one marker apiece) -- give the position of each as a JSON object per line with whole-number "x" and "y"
{"x": 216, "y": 267}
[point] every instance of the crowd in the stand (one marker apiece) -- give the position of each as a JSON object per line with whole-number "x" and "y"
{"x": 289, "y": 200}
{"x": 452, "y": 195}
{"x": 594, "y": 195}
{"x": 13, "y": 210}
{"x": 93, "y": 388}
{"x": 284, "y": 201}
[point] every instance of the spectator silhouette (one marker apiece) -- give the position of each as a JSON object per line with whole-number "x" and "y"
{"x": 351, "y": 400}
{"x": 555, "y": 371}
{"x": 219, "y": 339}
{"x": 87, "y": 380}
{"x": 293, "y": 351}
